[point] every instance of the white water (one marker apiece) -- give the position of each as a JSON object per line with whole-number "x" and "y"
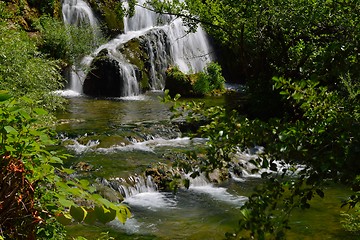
{"x": 145, "y": 146}
{"x": 165, "y": 39}
{"x": 78, "y": 13}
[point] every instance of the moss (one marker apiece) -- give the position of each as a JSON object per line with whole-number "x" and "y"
{"x": 178, "y": 82}
{"x": 199, "y": 84}
{"x": 135, "y": 54}
{"x": 113, "y": 23}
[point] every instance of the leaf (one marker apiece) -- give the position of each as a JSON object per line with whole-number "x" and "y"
{"x": 64, "y": 218}
{"x": 121, "y": 215}
{"x": 320, "y": 193}
{"x": 65, "y": 203}
{"x": 90, "y": 216}
{"x": 11, "y": 130}
{"x": 4, "y": 95}
{"x": 40, "y": 111}
{"x": 84, "y": 183}
{"x": 78, "y": 213}
{"x": 68, "y": 171}
{"x": 25, "y": 114}
{"x": 54, "y": 159}
{"x": 104, "y": 215}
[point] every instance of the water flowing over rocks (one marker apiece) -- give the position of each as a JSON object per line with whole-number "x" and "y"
{"x": 136, "y": 60}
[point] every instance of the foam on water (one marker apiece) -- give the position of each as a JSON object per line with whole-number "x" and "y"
{"x": 151, "y": 145}
{"x": 220, "y": 194}
{"x": 153, "y": 201}
{"x": 131, "y": 225}
{"x": 134, "y": 98}
{"x": 79, "y": 148}
{"x": 68, "y": 93}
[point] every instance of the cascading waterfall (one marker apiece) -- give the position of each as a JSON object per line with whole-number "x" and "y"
{"x": 165, "y": 41}
{"x": 132, "y": 185}
{"x": 78, "y": 13}
{"x": 191, "y": 52}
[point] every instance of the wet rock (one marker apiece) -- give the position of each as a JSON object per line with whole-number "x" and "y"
{"x": 218, "y": 176}
{"x": 83, "y": 167}
{"x": 104, "y": 78}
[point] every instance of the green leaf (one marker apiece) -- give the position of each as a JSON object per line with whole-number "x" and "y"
{"x": 123, "y": 213}
{"x": 104, "y": 215}
{"x": 90, "y": 216}
{"x": 25, "y": 114}
{"x": 78, "y": 213}
{"x": 84, "y": 183}
{"x": 4, "y": 95}
{"x": 64, "y": 218}
{"x": 68, "y": 171}
{"x": 65, "y": 203}
{"x": 54, "y": 159}
{"x": 40, "y": 111}
{"x": 11, "y": 130}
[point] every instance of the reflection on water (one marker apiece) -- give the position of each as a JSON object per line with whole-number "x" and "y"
{"x": 121, "y": 137}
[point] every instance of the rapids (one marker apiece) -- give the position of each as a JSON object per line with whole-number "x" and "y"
{"x": 122, "y": 137}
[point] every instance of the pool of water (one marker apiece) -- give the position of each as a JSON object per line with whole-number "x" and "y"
{"x": 122, "y": 137}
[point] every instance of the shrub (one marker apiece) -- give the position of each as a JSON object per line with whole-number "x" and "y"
{"x": 24, "y": 71}
{"x": 36, "y": 192}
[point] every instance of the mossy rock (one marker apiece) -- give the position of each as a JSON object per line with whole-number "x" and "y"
{"x": 135, "y": 54}
{"x": 105, "y": 12}
{"x": 177, "y": 82}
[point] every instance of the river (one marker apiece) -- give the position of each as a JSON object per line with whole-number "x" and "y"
{"x": 121, "y": 137}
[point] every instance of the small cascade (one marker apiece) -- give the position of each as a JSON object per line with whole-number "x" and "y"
{"x": 132, "y": 185}
{"x": 79, "y": 13}
{"x": 191, "y": 52}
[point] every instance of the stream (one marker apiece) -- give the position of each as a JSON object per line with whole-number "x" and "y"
{"x": 112, "y": 139}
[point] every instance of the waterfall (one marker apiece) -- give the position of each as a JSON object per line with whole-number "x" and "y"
{"x": 132, "y": 185}
{"x": 163, "y": 39}
{"x": 191, "y": 52}
{"x": 78, "y": 13}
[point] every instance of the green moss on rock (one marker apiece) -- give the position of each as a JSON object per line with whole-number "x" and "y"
{"x": 135, "y": 54}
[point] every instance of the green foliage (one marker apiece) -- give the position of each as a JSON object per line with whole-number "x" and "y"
{"x": 25, "y": 72}
{"x": 66, "y": 42}
{"x": 350, "y": 221}
{"x": 214, "y": 73}
{"x": 202, "y": 83}
{"x": 36, "y": 191}
{"x": 322, "y": 134}
{"x": 210, "y": 80}
{"x": 45, "y": 7}
{"x": 293, "y": 39}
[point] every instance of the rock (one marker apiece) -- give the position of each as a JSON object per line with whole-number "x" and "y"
{"x": 177, "y": 82}
{"x": 104, "y": 78}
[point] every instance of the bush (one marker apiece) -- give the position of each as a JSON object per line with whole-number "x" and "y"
{"x": 66, "y": 42}
{"x": 215, "y": 77}
{"x": 24, "y": 71}
{"x": 36, "y": 192}
{"x": 202, "y": 84}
